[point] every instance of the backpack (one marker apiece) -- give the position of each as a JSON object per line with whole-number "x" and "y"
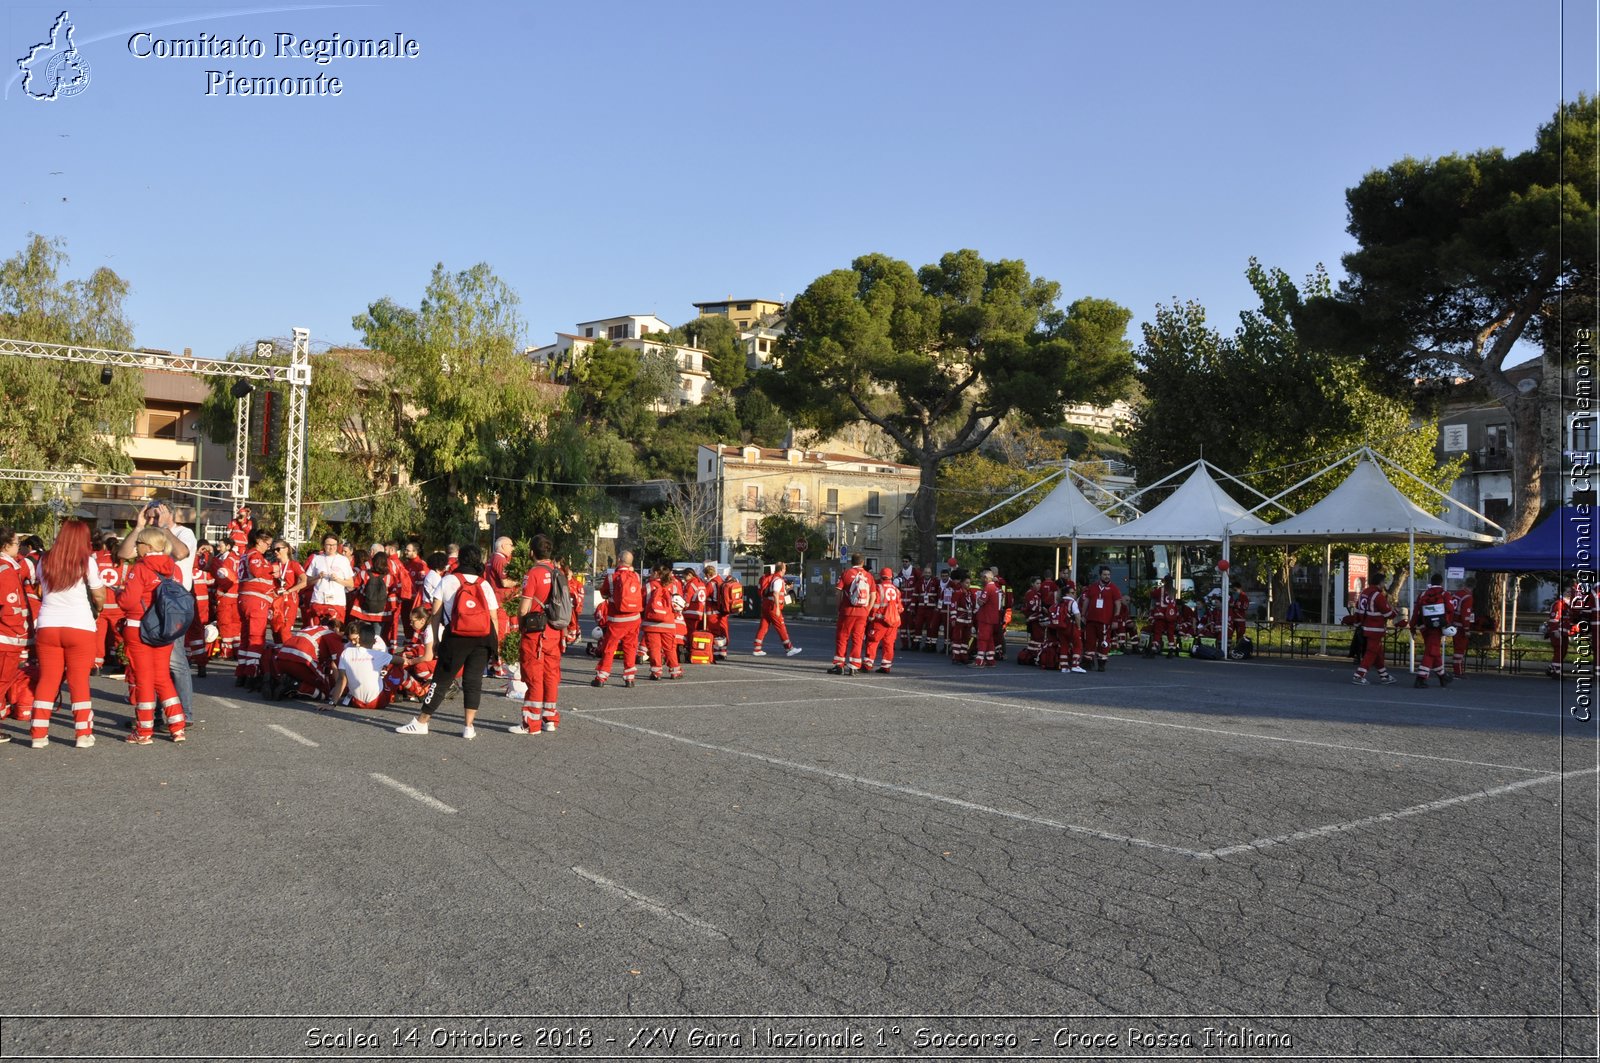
{"x": 374, "y": 594}
{"x": 1202, "y": 652}
{"x": 558, "y": 607}
{"x": 471, "y": 618}
{"x": 169, "y": 615}
{"x": 1433, "y": 615}
{"x": 1242, "y": 649}
{"x": 659, "y": 611}
{"x": 860, "y": 590}
{"x": 733, "y": 597}
{"x": 627, "y": 598}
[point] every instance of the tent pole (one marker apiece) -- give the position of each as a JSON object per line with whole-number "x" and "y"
{"x": 1411, "y": 590}
{"x": 1055, "y": 573}
{"x": 1327, "y": 575}
{"x": 1227, "y": 600}
{"x": 1516, "y": 592}
{"x": 1073, "y": 560}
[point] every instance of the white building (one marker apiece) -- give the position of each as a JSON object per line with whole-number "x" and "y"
{"x": 630, "y": 331}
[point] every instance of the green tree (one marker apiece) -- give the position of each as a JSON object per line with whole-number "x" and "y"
{"x": 719, "y": 338}
{"x": 1461, "y": 258}
{"x": 1230, "y": 398}
{"x": 936, "y": 358}
{"x": 457, "y": 363}
{"x": 779, "y": 533}
{"x": 55, "y": 415}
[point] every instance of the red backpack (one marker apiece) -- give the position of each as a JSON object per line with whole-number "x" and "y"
{"x": 471, "y": 618}
{"x": 659, "y": 610}
{"x": 627, "y": 599}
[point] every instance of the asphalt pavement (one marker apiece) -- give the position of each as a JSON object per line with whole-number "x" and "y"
{"x": 1168, "y": 858}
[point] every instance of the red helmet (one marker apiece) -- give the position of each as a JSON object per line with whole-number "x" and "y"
{"x": 886, "y": 573}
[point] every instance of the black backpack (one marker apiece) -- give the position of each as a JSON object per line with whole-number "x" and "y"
{"x": 169, "y": 615}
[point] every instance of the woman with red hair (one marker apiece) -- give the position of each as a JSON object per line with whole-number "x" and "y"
{"x": 152, "y": 674}
{"x": 71, "y": 592}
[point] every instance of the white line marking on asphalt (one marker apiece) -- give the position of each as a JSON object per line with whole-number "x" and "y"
{"x": 878, "y": 784}
{"x": 302, "y": 739}
{"x": 1387, "y": 817}
{"x": 1020, "y": 704}
{"x": 650, "y": 905}
{"x": 415, "y": 794}
{"x": 760, "y": 704}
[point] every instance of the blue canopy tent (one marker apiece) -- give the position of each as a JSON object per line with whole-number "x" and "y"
{"x": 1564, "y": 540}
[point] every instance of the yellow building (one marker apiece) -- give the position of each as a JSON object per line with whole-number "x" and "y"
{"x": 742, "y": 312}
{"x": 861, "y": 503}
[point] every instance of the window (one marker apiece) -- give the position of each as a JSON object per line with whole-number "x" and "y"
{"x": 872, "y": 535}
{"x": 161, "y": 425}
{"x": 752, "y": 531}
{"x": 766, "y": 345}
{"x": 874, "y": 505}
{"x": 619, "y": 332}
{"x": 833, "y": 500}
{"x": 1497, "y": 439}
{"x": 752, "y": 497}
{"x": 1497, "y": 509}
{"x": 1583, "y": 433}
{"x": 872, "y": 564}
{"x": 589, "y": 332}
{"x": 742, "y": 306}
{"x": 793, "y": 495}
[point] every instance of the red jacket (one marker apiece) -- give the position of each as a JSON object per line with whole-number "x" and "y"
{"x": 141, "y": 584}
{"x": 1101, "y": 602}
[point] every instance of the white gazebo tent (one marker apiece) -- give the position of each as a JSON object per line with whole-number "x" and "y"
{"x": 1065, "y": 515}
{"x": 1199, "y": 511}
{"x": 1365, "y": 508}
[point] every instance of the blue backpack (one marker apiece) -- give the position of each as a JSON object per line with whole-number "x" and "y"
{"x": 170, "y": 613}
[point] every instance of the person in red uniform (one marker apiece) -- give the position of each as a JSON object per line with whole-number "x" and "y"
{"x": 625, "y": 603}
{"x": 696, "y": 602}
{"x": 730, "y": 604}
{"x": 257, "y": 583}
{"x": 883, "y": 626}
{"x": 417, "y": 654}
{"x": 1033, "y": 616}
{"x": 1434, "y": 614}
{"x": 504, "y": 588}
{"x": 13, "y": 624}
{"x": 417, "y": 569}
{"x": 1373, "y": 612}
{"x": 773, "y": 591}
{"x": 1466, "y": 611}
{"x": 1066, "y": 625}
{"x": 539, "y": 656}
{"x": 986, "y": 613}
{"x": 1163, "y": 619}
{"x": 1561, "y": 628}
{"x": 149, "y": 665}
{"x": 289, "y": 581}
{"x": 108, "y": 622}
{"x": 937, "y": 635}
{"x": 575, "y": 587}
{"x": 660, "y": 624}
{"x": 225, "y": 587}
{"x": 856, "y": 590}
{"x": 195, "y": 643}
{"x": 1238, "y": 614}
{"x": 304, "y": 664}
{"x": 716, "y": 615}
{"x": 958, "y": 615}
{"x": 1102, "y": 603}
{"x": 241, "y": 530}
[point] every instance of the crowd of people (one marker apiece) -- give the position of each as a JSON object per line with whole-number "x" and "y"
{"x": 367, "y": 627}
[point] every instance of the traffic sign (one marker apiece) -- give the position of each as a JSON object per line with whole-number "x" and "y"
{"x": 800, "y": 544}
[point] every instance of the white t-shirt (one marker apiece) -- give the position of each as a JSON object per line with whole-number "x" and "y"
{"x": 324, "y": 572}
{"x": 186, "y": 566}
{"x": 431, "y": 584}
{"x": 363, "y": 672}
{"x": 452, "y": 585}
{"x": 70, "y": 608}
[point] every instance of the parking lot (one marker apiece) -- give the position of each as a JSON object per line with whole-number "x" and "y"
{"x": 1163, "y": 849}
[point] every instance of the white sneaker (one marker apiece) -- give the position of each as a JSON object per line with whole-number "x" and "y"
{"x": 469, "y": 732}
{"x": 758, "y": 653}
{"x": 40, "y": 743}
{"x": 415, "y": 727}
{"x": 1078, "y": 670}
{"x": 792, "y": 651}
{"x": 86, "y": 742}
{"x": 518, "y": 729}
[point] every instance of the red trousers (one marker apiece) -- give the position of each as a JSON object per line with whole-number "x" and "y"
{"x": 662, "y": 645}
{"x": 227, "y": 606}
{"x": 774, "y": 619}
{"x": 285, "y": 611}
{"x": 717, "y": 624}
{"x": 960, "y": 641}
{"x": 63, "y": 651}
{"x": 932, "y": 617}
{"x": 108, "y": 634}
{"x": 1096, "y": 638}
{"x": 850, "y": 632}
{"x": 623, "y": 633}
{"x": 540, "y": 662}
{"x": 10, "y": 662}
{"x": 1069, "y": 645}
{"x": 312, "y": 681}
{"x": 986, "y": 643}
{"x": 1163, "y": 633}
{"x": 1373, "y": 658}
{"x": 152, "y": 678}
{"x": 332, "y": 615}
{"x": 253, "y": 617}
{"x": 1458, "y": 665}
{"x": 1432, "y": 652}
{"x": 880, "y": 635}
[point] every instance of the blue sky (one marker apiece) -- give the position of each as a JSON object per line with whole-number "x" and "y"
{"x": 610, "y": 158}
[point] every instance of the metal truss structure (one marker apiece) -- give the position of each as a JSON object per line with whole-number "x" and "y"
{"x": 297, "y": 375}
